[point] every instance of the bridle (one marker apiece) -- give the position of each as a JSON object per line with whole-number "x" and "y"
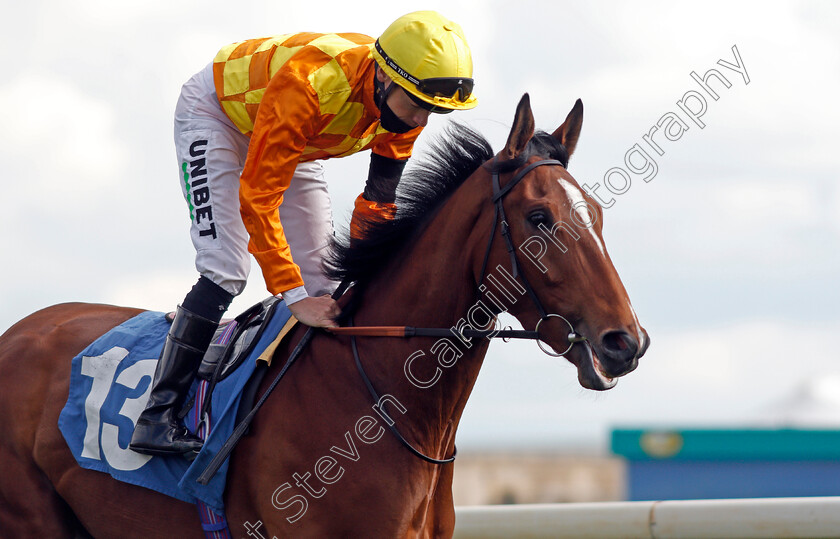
{"x": 404, "y": 331}
{"x": 499, "y": 220}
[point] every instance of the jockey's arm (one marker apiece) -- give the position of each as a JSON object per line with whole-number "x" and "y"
{"x": 286, "y": 120}
{"x": 383, "y": 177}
{"x": 377, "y": 202}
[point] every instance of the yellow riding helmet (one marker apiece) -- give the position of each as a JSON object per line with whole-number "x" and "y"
{"x": 428, "y": 56}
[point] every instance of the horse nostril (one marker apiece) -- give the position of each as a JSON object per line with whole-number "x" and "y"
{"x": 620, "y": 345}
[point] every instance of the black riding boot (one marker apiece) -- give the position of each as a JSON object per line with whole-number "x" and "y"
{"x": 158, "y": 430}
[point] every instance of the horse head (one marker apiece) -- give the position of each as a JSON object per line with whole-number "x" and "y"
{"x": 571, "y": 292}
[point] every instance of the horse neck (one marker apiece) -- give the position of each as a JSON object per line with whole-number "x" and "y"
{"x": 432, "y": 284}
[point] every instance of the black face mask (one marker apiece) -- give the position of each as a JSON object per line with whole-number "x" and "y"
{"x": 391, "y": 122}
{"x": 387, "y": 118}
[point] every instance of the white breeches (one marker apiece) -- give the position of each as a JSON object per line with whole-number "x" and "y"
{"x": 211, "y": 153}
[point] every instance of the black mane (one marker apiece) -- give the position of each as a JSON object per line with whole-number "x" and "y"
{"x": 424, "y": 186}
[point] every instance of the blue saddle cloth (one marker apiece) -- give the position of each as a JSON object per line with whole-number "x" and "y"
{"x": 110, "y": 383}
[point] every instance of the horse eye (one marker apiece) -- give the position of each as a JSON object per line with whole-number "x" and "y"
{"x": 538, "y": 217}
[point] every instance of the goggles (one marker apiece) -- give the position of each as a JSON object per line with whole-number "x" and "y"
{"x": 434, "y": 109}
{"x": 435, "y": 87}
{"x": 446, "y": 87}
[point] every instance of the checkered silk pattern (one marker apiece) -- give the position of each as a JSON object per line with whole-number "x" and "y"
{"x": 241, "y": 72}
{"x": 300, "y": 97}
{"x": 336, "y": 70}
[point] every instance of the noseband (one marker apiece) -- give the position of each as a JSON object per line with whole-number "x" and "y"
{"x": 499, "y": 219}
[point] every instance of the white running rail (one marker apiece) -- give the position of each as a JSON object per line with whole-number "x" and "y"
{"x": 775, "y": 518}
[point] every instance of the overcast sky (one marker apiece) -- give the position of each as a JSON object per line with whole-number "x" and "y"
{"x": 730, "y": 253}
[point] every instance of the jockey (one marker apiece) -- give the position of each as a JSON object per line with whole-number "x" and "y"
{"x": 250, "y": 132}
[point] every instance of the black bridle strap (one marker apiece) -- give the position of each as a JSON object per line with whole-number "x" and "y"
{"x": 499, "y": 212}
{"x": 489, "y": 245}
{"x": 514, "y": 260}
{"x": 502, "y": 218}
{"x": 499, "y": 194}
{"x": 498, "y": 197}
{"x": 390, "y": 424}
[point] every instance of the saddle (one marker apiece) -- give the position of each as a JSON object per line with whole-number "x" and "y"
{"x": 233, "y": 342}
{"x": 233, "y": 339}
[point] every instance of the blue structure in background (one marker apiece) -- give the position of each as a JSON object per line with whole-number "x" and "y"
{"x": 719, "y": 463}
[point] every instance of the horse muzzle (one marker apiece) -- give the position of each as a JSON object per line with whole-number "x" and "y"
{"x": 602, "y": 362}
{"x": 618, "y": 352}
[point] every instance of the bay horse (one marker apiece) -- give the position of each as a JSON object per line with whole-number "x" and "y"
{"x": 319, "y": 461}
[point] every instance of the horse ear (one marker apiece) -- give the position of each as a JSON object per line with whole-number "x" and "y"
{"x": 568, "y": 133}
{"x": 522, "y": 130}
